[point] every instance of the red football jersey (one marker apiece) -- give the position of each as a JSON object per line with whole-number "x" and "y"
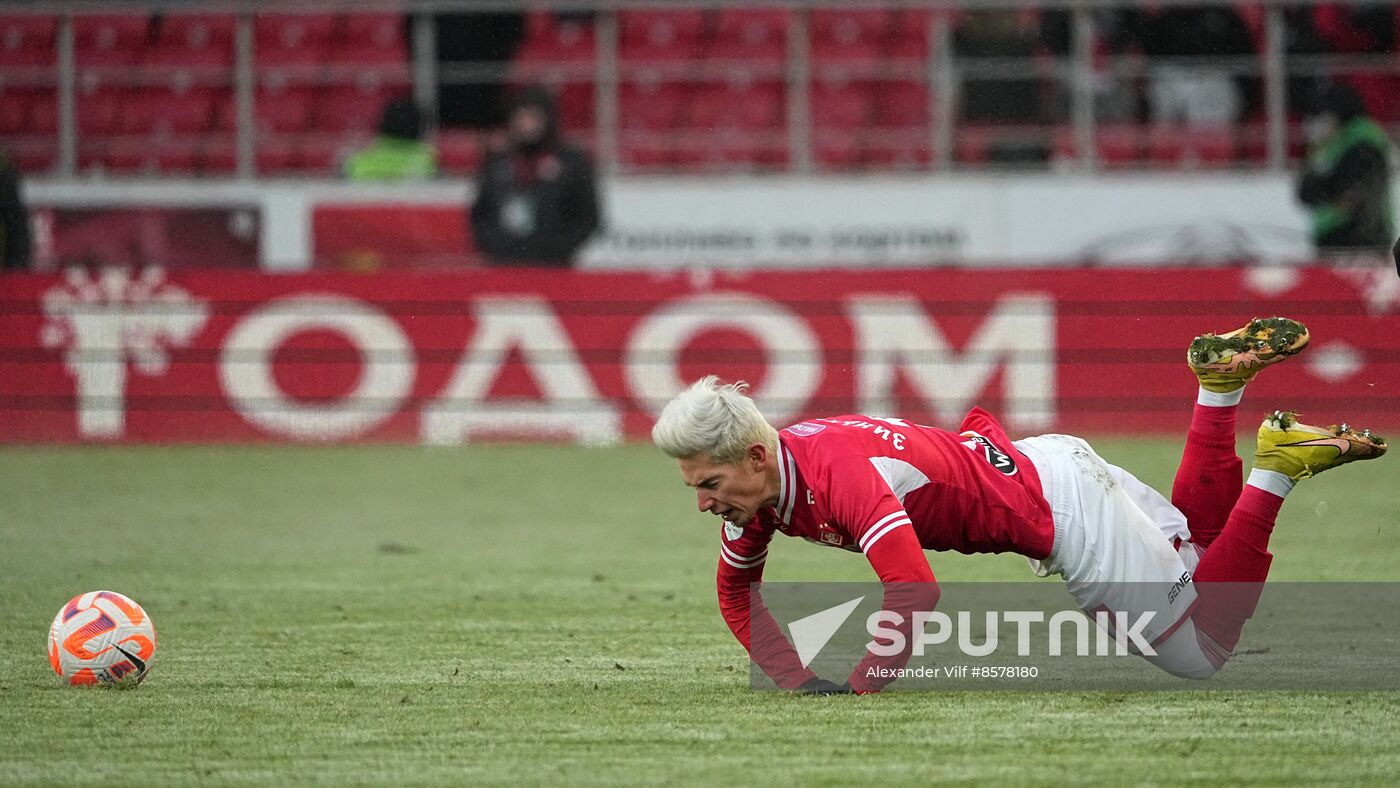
{"x": 888, "y": 489}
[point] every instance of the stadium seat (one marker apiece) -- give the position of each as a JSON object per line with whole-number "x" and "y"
{"x": 28, "y": 32}
{"x": 756, "y": 37}
{"x": 550, "y": 41}
{"x": 27, "y": 42}
{"x": 43, "y": 112}
{"x": 373, "y": 31}
{"x": 167, "y": 110}
{"x": 293, "y": 30}
{"x": 902, "y": 104}
{"x": 34, "y": 160}
{"x": 276, "y": 110}
{"x": 645, "y": 148}
{"x": 176, "y": 56}
{"x": 848, "y": 25}
{"x": 650, "y": 105}
{"x": 836, "y": 148}
{"x": 459, "y": 152}
{"x": 195, "y": 31}
{"x": 841, "y": 105}
{"x": 113, "y": 40}
{"x": 113, "y": 31}
{"x": 350, "y": 109}
{"x": 15, "y": 109}
{"x": 100, "y": 110}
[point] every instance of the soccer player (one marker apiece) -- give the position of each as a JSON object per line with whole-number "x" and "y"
{"x": 890, "y": 490}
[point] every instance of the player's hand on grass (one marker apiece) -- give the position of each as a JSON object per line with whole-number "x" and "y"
{"x": 819, "y": 686}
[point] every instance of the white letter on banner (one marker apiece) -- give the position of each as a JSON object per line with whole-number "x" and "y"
{"x": 570, "y": 406}
{"x": 894, "y": 333}
{"x": 386, "y": 357}
{"x": 654, "y": 350}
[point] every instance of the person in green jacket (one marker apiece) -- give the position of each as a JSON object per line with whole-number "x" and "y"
{"x": 399, "y": 152}
{"x": 1345, "y": 182}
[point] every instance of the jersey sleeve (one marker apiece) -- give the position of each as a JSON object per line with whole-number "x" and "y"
{"x": 861, "y": 501}
{"x": 737, "y": 581}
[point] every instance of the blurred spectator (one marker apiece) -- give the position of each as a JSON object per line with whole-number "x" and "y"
{"x": 536, "y": 200}
{"x": 399, "y": 152}
{"x": 1196, "y": 93}
{"x": 14, "y": 219}
{"x": 1345, "y": 180}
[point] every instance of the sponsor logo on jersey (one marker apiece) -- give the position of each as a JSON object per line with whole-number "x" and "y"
{"x": 997, "y": 458}
{"x": 732, "y": 532}
{"x": 805, "y": 429}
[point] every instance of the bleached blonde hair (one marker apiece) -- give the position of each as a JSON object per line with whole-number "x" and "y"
{"x": 713, "y": 418}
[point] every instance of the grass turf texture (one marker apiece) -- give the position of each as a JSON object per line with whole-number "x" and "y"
{"x": 527, "y": 614}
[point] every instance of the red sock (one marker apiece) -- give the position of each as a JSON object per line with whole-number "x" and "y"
{"x": 1210, "y": 476}
{"x": 1231, "y": 574}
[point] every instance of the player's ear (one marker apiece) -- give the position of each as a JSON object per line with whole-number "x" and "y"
{"x": 757, "y": 456}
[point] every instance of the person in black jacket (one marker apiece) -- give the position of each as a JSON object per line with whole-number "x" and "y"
{"x": 1345, "y": 182}
{"x": 536, "y": 200}
{"x": 14, "y": 219}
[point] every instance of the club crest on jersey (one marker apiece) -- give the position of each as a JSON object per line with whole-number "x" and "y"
{"x": 805, "y": 429}
{"x": 732, "y": 532}
{"x": 997, "y": 458}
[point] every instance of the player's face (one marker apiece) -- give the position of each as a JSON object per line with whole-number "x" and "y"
{"x": 734, "y": 492}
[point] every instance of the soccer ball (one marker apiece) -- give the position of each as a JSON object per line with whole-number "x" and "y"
{"x": 101, "y": 637}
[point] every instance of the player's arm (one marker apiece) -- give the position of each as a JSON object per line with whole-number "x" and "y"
{"x": 861, "y": 501}
{"x": 740, "y": 568}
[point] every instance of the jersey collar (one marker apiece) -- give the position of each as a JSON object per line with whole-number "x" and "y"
{"x": 787, "y": 484}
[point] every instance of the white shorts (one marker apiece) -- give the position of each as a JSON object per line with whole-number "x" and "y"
{"x": 1120, "y": 546}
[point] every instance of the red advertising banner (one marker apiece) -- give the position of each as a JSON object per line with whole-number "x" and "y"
{"x": 445, "y": 358}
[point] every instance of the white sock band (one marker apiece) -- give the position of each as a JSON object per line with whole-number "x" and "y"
{"x": 1271, "y": 481}
{"x": 1216, "y": 399}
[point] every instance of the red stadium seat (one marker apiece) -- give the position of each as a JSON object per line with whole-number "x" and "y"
{"x": 34, "y": 160}
{"x": 100, "y": 110}
{"x": 350, "y": 109}
{"x": 661, "y": 28}
{"x": 293, "y": 30}
{"x": 14, "y": 112}
{"x": 836, "y": 148}
{"x": 373, "y": 31}
{"x": 110, "y": 32}
{"x": 650, "y": 105}
{"x": 902, "y": 104}
{"x": 195, "y": 31}
{"x": 28, "y": 32}
{"x": 28, "y": 42}
{"x": 275, "y": 157}
{"x": 177, "y": 56}
{"x": 284, "y": 110}
{"x": 459, "y": 152}
{"x": 167, "y": 110}
{"x": 318, "y": 157}
{"x": 43, "y": 112}
{"x": 754, "y": 36}
{"x": 845, "y": 25}
{"x": 845, "y": 105}
{"x": 557, "y": 42}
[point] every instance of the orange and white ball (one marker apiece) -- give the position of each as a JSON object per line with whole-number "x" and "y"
{"x": 101, "y": 637}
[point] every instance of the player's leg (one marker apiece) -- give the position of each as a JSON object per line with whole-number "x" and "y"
{"x": 1233, "y": 570}
{"x": 1210, "y": 478}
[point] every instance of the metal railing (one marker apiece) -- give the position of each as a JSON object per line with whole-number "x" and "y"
{"x": 943, "y": 73}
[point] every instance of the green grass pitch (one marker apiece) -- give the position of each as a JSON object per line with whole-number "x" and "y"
{"x": 537, "y": 614}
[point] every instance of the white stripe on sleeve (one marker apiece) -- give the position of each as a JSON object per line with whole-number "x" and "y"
{"x": 877, "y": 533}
